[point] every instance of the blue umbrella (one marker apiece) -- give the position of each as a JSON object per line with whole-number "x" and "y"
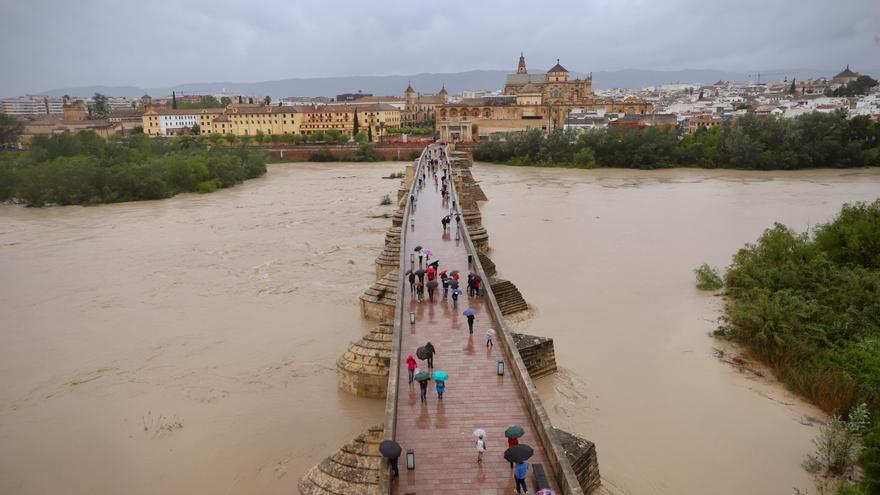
{"x": 469, "y": 312}
{"x": 457, "y": 292}
{"x": 440, "y": 376}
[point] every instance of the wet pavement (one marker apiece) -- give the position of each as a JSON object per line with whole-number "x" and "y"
{"x": 441, "y": 431}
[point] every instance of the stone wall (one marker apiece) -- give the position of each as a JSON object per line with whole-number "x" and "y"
{"x": 352, "y": 470}
{"x": 378, "y": 301}
{"x": 363, "y": 369}
{"x": 301, "y": 153}
{"x": 538, "y": 354}
{"x": 582, "y": 456}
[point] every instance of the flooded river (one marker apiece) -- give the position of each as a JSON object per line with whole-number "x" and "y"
{"x": 188, "y": 345}
{"x": 606, "y": 258}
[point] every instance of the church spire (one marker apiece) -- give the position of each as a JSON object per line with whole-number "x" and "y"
{"x": 521, "y": 69}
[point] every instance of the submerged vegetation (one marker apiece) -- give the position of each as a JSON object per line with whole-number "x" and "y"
{"x": 708, "y": 277}
{"x": 809, "y": 307}
{"x": 84, "y": 168}
{"x": 761, "y": 143}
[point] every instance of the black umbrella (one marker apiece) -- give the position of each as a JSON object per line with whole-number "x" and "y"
{"x": 420, "y": 272}
{"x": 435, "y": 264}
{"x": 422, "y": 376}
{"x": 422, "y": 353}
{"x": 431, "y": 285}
{"x": 417, "y": 248}
{"x": 390, "y": 449}
{"x": 518, "y": 453}
{"x": 454, "y": 284}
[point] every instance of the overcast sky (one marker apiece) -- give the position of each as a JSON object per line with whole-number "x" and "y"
{"x": 64, "y": 43}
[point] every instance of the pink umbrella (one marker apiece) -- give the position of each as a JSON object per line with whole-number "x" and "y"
{"x": 545, "y": 491}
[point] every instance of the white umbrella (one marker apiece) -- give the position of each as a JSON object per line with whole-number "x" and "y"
{"x": 479, "y": 432}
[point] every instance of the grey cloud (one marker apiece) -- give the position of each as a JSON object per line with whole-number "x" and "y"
{"x": 51, "y": 43}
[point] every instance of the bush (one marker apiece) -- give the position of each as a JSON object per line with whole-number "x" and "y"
{"x": 386, "y": 200}
{"x": 86, "y": 169}
{"x": 708, "y": 277}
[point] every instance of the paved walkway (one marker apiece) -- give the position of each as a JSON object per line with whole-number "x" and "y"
{"x": 441, "y": 432}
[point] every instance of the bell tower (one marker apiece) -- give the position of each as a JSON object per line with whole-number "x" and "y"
{"x": 521, "y": 69}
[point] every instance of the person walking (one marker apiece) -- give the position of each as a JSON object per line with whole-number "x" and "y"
{"x": 455, "y": 298}
{"x": 440, "y": 385}
{"x": 470, "y": 319}
{"x": 457, "y": 217}
{"x": 431, "y": 288}
{"x": 420, "y": 290}
{"x": 519, "y": 475}
{"x": 489, "y": 335}
{"x": 470, "y": 285}
{"x": 412, "y": 282}
{"x": 431, "y": 351}
{"x": 445, "y": 281}
{"x": 481, "y": 447}
{"x": 411, "y": 366}
{"x": 393, "y": 462}
{"x": 477, "y": 283}
{"x": 423, "y": 391}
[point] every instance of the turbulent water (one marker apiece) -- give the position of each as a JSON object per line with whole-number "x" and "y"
{"x": 606, "y": 259}
{"x": 188, "y": 345}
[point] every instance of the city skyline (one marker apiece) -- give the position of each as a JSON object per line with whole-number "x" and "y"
{"x": 113, "y": 44}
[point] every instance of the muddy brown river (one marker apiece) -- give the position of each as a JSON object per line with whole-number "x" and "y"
{"x": 188, "y": 345}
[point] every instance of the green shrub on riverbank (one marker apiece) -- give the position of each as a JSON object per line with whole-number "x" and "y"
{"x": 811, "y": 140}
{"x": 84, "y": 168}
{"x": 809, "y": 306}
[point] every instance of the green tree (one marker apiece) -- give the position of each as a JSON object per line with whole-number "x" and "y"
{"x": 356, "y": 127}
{"x": 100, "y": 106}
{"x": 360, "y": 137}
{"x": 792, "y": 89}
{"x": 10, "y": 129}
{"x": 225, "y": 101}
{"x": 369, "y": 133}
{"x": 173, "y": 100}
{"x": 267, "y": 100}
{"x": 196, "y": 129}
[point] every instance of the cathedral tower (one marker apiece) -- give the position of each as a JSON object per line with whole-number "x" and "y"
{"x": 521, "y": 69}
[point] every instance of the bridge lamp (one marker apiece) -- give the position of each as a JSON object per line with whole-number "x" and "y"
{"x": 412, "y": 318}
{"x": 500, "y": 368}
{"x": 410, "y": 459}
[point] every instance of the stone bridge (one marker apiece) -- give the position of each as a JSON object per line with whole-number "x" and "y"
{"x": 440, "y": 432}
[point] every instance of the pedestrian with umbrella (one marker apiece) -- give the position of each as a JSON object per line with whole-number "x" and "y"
{"x": 411, "y": 366}
{"x": 420, "y": 290}
{"x": 477, "y": 282}
{"x": 422, "y": 377}
{"x": 431, "y": 272}
{"x": 427, "y": 351}
{"x": 513, "y": 433}
{"x": 481, "y": 443}
{"x": 440, "y": 378}
{"x": 470, "y": 318}
{"x": 391, "y": 450}
{"x": 432, "y": 286}
{"x": 489, "y": 335}
{"x": 412, "y": 281}
{"x": 455, "y": 294}
{"x": 519, "y": 454}
{"x": 420, "y": 273}
{"x": 444, "y": 279}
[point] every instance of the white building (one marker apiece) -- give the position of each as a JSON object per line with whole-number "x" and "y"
{"x": 32, "y": 105}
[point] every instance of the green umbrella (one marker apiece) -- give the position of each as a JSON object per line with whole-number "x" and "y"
{"x": 514, "y": 432}
{"x": 422, "y": 376}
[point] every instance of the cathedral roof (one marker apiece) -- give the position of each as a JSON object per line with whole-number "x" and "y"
{"x": 529, "y": 88}
{"x": 846, "y": 73}
{"x": 558, "y": 68}
{"x": 520, "y": 79}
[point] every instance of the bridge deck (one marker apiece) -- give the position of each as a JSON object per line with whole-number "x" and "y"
{"x": 441, "y": 432}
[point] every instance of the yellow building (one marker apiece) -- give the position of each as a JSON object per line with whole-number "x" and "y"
{"x": 250, "y": 120}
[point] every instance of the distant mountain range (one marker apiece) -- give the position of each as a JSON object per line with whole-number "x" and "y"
{"x": 430, "y": 83}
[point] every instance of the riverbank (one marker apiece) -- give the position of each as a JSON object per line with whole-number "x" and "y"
{"x": 806, "y": 305}
{"x": 808, "y": 141}
{"x": 85, "y": 169}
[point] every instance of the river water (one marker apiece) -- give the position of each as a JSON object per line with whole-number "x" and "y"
{"x": 188, "y": 345}
{"x": 606, "y": 259}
